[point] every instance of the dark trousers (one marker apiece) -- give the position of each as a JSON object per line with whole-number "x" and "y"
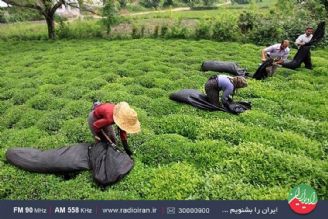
{"x": 303, "y": 55}
{"x": 307, "y": 61}
{"x": 212, "y": 91}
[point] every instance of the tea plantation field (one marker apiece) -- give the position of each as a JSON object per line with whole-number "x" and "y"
{"x": 47, "y": 89}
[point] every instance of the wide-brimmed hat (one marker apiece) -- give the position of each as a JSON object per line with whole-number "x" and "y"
{"x": 126, "y": 118}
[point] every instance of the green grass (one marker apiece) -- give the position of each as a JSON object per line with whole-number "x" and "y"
{"x": 47, "y": 89}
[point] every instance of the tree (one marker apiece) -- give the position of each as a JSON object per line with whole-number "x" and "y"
{"x": 150, "y": 3}
{"x": 110, "y": 15}
{"x": 208, "y": 3}
{"x": 190, "y": 3}
{"x": 48, "y": 8}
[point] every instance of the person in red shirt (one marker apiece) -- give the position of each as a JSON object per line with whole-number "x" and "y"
{"x": 105, "y": 115}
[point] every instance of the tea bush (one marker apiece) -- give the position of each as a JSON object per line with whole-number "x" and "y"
{"x": 47, "y": 90}
{"x": 163, "y": 149}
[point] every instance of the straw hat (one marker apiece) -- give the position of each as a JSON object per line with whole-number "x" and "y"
{"x": 126, "y": 118}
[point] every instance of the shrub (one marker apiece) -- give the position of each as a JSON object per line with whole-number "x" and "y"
{"x": 162, "y": 106}
{"x": 164, "y": 30}
{"x": 178, "y": 31}
{"x": 224, "y": 30}
{"x": 190, "y": 3}
{"x": 150, "y": 3}
{"x": 73, "y": 92}
{"x": 241, "y": 1}
{"x": 47, "y": 142}
{"x": 32, "y": 186}
{"x": 21, "y": 96}
{"x": 21, "y": 137}
{"x": 139, "y": 101}
{"x": 204, "y": 30}
{"x": 164, "y": 149}
{"x": 145, "y": 81}
{"x": 56, "y": 90}
{"x": 76, "y": 130}
{"x": 155, "y": 92}
{"x": 29, "y": 117}
{"x": 96, "y": 83}
{"x": 246, "y": 22}
{"x": 225, "y": 186}
{"x": 75, "y": 109}
{"x": 123, "y": 3}
{"x": 168, "y": 3}
{"x": 51, "y": 122}
{"x": 156, "y": 32}
{"x": 184, "y": 125}
{"x": 12, "y": 116}
{"x": 110, "y": 15}
{"x": 63, "y": 30}
{"x": 138, "y": 32}
{"x": 208, "y": 2}
{"x": 178, "y": 181}
{"x": 266, "y": 32}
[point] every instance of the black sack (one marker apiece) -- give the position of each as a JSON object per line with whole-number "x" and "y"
{"x": 194, "y": 98}
{"x": 197, "y": 99}
{"x": 261, "y": 72}
{"x": 221, "y": 66}
{"x": 238, "y": 107}
{"x": 61, "y": 160}
{"x": 108, "y": 164}
{"x": 302, "y": 53}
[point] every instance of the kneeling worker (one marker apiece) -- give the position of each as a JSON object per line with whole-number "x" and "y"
{"x": 228, "y": 85}
{"x": 104, "y": 115}
{"x": 278, "y": 52}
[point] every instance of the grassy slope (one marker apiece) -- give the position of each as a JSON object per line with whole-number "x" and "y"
{"x": 47, "y": 89}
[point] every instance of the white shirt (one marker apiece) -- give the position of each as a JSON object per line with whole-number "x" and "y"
{"x": 276, "y": 52}
{"x": 302, "y": 39}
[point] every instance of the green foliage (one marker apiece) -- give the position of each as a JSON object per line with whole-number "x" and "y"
{"x": 178, "y": 181}
{"x": 204, "y": 30}
{"x": 164, "y": 30}
{"x": 46, "y": 93}
{"x": 63, "y": 30}
{"x": 168, "y": 3}
{"x": 246, "y": 22}
{"x": 76, "y": 130}
{"x": 208, "y": 2}
{"x": 17, "y": 14}
{"x": 110, "y": 14}
{"x": 275, "y": 21}
{"x": 224, "y": 30}
{"x": 241, "y": 1}
{"x": 266, "y": 32}
{"x": 150, "y": 3}
{"x": 138, "y": 32}
{"x": 123, "y": 3}
{"x": 178, "y": 31}
{"x": 190, "y": 3}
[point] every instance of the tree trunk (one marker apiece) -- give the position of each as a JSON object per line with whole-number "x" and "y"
{"x": 51, "y": 26}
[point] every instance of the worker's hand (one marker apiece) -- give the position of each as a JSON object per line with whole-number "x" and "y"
{"x": 263, "y": 60}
